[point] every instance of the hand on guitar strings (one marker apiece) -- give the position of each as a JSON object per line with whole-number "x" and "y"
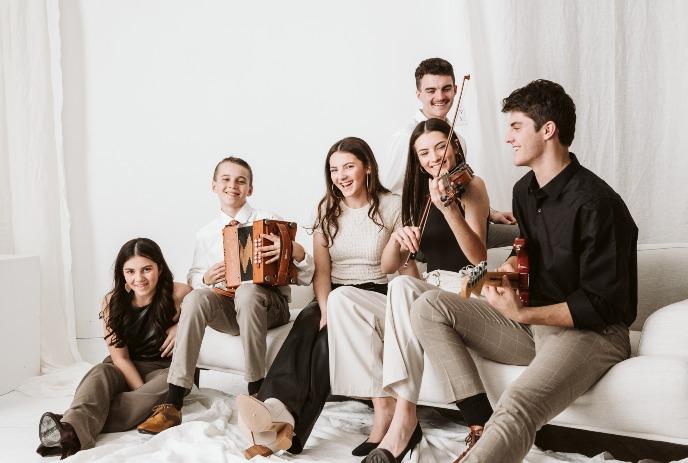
{"x": 504, "y": 299}
{"x": 270, "y": 252}
{"x": 215, "y": 274}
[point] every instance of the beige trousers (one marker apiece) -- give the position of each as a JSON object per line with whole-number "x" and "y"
{"x": 253, "y": 310}
{"x": 355, "y": 330}
{"x": 103, "y": 402}
{"x": 403, "y": 355}
{"x": 563, "y": 363}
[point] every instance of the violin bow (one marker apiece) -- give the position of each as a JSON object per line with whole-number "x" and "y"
{"x": 428, "y": 203}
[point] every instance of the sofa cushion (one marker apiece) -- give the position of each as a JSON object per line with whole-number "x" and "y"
{"x": 664, "y": 332}
{"x": 630, "y": 400}
{"x": 224, "y": 352}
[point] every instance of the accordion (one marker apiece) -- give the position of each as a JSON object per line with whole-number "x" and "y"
{"x": 241, "y": 263}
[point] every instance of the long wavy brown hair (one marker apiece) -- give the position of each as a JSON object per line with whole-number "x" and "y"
{"x": 416, "y": 190}
{"x": 329, "y": 207}
{"x": 119, "y": 308}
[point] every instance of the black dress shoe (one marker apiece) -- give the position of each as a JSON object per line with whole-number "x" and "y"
{"x": 385, "y": 456}
{"x": 49, "y": 429}
{"x": 57, "y": 438}
{"x": 44, "y": 451}
{"x": 364, "y": 449}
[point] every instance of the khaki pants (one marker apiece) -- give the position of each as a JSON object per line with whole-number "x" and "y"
{"x": 355, "y": 330}
{"x": 562, "y": 364}
{"x": 253, "y": 310}
{"x": 403, "y": 355}
{"x": 103, "y": 402}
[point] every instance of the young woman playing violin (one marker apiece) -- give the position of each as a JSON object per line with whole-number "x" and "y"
{"x": 452, "y": 237}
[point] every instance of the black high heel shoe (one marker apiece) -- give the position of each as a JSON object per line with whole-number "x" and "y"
{"x": 385, "y": 456}
{"x": 364, "y": 448}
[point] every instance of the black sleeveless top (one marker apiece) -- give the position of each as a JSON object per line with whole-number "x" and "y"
{"x": 439, "y": 245}
{"x": 143, "y": 343}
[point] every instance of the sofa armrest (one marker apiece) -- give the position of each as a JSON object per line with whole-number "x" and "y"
{"x": 664, "y": 332}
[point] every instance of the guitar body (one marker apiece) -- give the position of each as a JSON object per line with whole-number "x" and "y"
{"x": 520, "y": 279}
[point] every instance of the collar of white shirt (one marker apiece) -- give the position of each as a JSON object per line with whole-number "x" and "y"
{"x": 420, "y": 117}
{"x": 243, "y": 216}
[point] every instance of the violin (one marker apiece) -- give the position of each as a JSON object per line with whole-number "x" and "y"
{"x": 455, "y": 182}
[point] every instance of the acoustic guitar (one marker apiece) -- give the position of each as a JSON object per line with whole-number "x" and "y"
{"x": 478, "y": 276}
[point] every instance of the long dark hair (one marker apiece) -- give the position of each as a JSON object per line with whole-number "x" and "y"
{"x": 329, "y": 207}
{"x": 416, "y": 189}
{"x": 119, "y": 306}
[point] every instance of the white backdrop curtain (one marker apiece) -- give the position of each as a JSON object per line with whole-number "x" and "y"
{"x": 625, "y": 65}
{"x": 34, "y": 209}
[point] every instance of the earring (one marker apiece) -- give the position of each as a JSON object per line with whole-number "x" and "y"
{"x": 127, "y": 288}
{"x": 367, "y": 178}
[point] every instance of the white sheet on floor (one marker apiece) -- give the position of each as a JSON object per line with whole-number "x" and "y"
{"x": 209, "y": 432}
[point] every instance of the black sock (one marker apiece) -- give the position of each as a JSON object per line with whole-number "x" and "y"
{"x": 254, "y": 386}
{"x": 476, "y": 409}
{"x": 175, "y": 396}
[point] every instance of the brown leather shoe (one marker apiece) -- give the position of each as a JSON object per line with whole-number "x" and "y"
{"x": 164, "y": 417}
{"x": 471, "y": 439}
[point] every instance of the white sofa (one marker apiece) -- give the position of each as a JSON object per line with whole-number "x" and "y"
{"x": 644, "y": 397}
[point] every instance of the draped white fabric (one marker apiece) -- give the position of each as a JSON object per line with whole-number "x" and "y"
{"x": 623, "y": 62}
{"x": 209, "y": 432}
{"x": 34, "y": 208}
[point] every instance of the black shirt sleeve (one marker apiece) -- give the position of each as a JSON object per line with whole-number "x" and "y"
{"x": 608, "y": 281}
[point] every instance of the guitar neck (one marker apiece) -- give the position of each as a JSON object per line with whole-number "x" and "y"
{"x": 497, "y": 277}
{"x": 489, "y": 279}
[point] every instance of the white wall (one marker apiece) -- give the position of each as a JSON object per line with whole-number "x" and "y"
{"x": 156, "y": 92}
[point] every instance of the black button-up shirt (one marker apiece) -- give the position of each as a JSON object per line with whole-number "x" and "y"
{"x": 581, "y": 243}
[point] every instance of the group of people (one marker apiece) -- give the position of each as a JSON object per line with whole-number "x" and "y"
{"x": 375, "y": 315}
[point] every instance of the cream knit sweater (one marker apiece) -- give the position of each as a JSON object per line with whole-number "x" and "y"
{"x": 357, "y": 248}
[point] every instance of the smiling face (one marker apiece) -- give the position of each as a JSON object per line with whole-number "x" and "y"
{"x": 436, "y": 94}
{"x": 141, "y": 274}
{"x": 429, "y": 148}
{"x": 232, "y": 185}
{"x": 348, "y": 174}
{"x": 527, "y": 143}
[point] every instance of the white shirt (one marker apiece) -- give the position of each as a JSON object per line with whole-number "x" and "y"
{"x": 392, "y": 165}
{"x": 209, "y": 249}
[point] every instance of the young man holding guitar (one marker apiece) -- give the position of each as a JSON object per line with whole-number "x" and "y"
{"x": 581, "y": 242}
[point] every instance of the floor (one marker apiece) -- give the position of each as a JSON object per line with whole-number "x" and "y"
{"x": 341, "y": 427}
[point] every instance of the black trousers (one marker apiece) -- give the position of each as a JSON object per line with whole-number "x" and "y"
{"x": 300, "y": 375}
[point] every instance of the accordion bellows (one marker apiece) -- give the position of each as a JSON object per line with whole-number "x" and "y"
{"x": 240, "y": 243}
